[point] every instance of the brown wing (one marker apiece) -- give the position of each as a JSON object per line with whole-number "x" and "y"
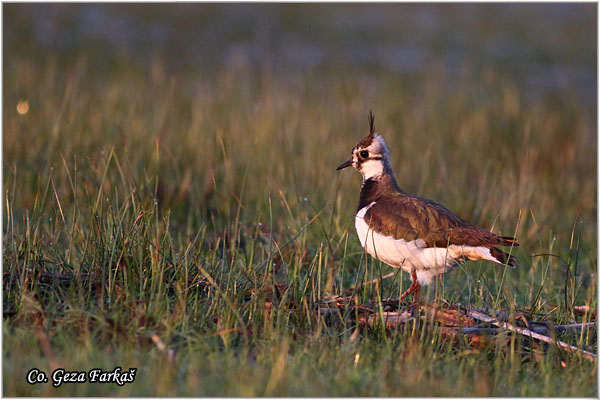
{"x": 410, "y": 218}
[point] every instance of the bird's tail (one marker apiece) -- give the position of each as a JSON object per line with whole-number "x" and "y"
{"x": 508, "y": 241}
{"x": 502, "y": 257}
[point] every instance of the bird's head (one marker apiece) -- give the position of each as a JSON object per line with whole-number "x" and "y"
{"x": 370, "y": 156}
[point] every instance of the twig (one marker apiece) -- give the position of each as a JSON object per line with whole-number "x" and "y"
{"x": 537, "y": 329}
{"x": 527, "y": 332}
{"x": 332, "y": 304}
{"x": 562, "y": 328}
{"x": 354, "y": 288}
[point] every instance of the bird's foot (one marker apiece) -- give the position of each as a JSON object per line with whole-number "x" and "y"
{"x": 414, "y": 288}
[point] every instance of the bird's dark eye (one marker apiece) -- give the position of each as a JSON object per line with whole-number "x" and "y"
{"x": 364, "y": 154}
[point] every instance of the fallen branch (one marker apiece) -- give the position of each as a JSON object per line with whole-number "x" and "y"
{"x": 527, "y": 332}
{"x": 537, "y": 329}
{"x": 392, "y": 320}
{"x": 447, "y": 316}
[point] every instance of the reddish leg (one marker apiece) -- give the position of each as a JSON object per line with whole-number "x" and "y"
{"x": 414, "y": 287}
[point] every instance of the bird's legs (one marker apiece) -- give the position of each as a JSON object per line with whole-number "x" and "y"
{"x": 414, "y": 287}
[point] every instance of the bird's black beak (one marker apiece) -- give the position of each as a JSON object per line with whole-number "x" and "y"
{"x": 344, "y": 165}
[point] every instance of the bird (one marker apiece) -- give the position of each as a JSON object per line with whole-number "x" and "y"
{"x": 418, "y": 235}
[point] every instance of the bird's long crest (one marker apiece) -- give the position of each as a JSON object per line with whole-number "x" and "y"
{"x": 371, "y": 118}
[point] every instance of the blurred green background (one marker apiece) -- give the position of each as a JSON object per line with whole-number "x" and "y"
{"x": 542, "y": 47}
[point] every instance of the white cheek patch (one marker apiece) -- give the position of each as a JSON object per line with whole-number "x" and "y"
{"x": 371, "y": 168}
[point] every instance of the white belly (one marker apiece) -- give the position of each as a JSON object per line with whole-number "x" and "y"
{"x": 427, "y": 262}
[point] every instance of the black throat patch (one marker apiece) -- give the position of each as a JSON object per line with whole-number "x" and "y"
{"x": 368, "y": 193}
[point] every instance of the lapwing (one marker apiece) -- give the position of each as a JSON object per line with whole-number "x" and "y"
{"x": 420, "y": 236}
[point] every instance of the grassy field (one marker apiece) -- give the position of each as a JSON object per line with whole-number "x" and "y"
{"x": 148, "y": 209}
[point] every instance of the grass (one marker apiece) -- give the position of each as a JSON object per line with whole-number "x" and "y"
{"x": 144, "y": 207}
